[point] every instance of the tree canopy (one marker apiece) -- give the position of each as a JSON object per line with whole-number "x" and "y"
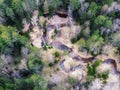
{"x": 10, "y": 40}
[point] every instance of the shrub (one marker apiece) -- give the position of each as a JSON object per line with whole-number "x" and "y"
{"x": 56, "y": 61}
{"x": 96, "y": 64}
{"x": 55, "y": 31}
{"x": 88, "y": 81}
{"x": 103, "y": 76}
{"x": 45, "y": 47}
{"x": 92, "y": 68}
{"x": 92, "y": 74}
{"x": 35, "y": 64}
{"x": 53, "y": 36}
{"x": 71, "y": 81}
{"x": 76, "y": 38}
{"x": 51, "y": 64}
{"x": 56, "y": 54}
{"x": 38, "y": 82}
{"x": 73, "y": 40}
{"x": 81, "y": 43}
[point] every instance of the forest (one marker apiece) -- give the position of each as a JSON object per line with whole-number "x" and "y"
{"x": 59, "y": 44}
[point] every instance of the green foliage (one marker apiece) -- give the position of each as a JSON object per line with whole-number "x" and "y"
{"x": 17, "y": 7}
{"x": 1, "y": 88}
{"x": 81, "y": 43}
{"x": 33, "y": 50}
{"x": 39, "y": 82}
{"x": 71, "y": 80}
{"x": 111, "y": 14}
{"x": 107, "y": 2}
{"x": 46, "y": 47}
{"x": 93, "y": 10}
{"x": 65, "y": 4}
{"x": 74, "y": 4}
{"x": 58, "y": 4}
{"x": 92, "y": 68}
{"x": 92, "y": 73}
{"x": 56, "y": 54}
{"x": 10, "y": 41}
{"x": 73, "y": 40}
{"x": 6, "y": 83}
{"x": 34, "y": 82}
{"x": 55, "y": 31}
{"x": 17, "y": 60}
{"x": 96, "y": 63}
{"x": 29, "y": 6}
{"x": 54, "y": 4}
{"x": 103, "y": 76}
{"x": 15, "y": 10}
{"x": 56, "y": 61}
{"x": 102, "y": 21}
{"x": 23, "y": 84}
{"x": 82, "y": 17}
{"x": 10, "y": 13}
{"x": 114, "y": 14}
{"x": 95, "y": 42}
{"x": 1, "y": 1}
{"x": 34, "y": 63}
{"x": 52, "y": 36}
{"x": 88, "y": 81}
{"x": 51, "y": 64}
{"x": 117, "y": 14}
{"x": 115, "y": 41}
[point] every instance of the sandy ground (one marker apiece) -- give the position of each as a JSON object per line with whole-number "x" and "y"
{"x": 55, "y": 74}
